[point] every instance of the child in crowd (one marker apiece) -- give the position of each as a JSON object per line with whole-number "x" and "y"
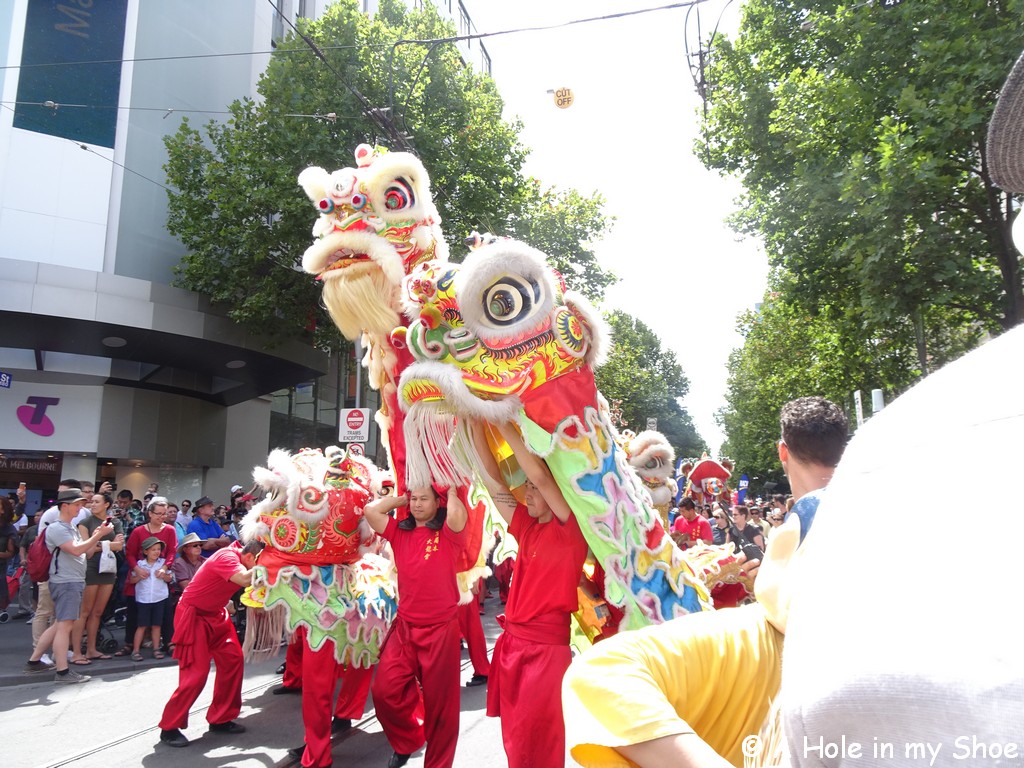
{"x": 150, "y": 577}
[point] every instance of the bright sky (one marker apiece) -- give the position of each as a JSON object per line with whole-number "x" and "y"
{"x": 629, "y": 135}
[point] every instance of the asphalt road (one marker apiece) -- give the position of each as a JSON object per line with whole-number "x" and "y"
{"x": 112, "y": 719}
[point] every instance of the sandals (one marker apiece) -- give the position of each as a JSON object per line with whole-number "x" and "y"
{"x": 83, "y": 662}
{"x": 158, "y": 654}
{"x": 136, "y": 657}
{"x": 124, "y": 651}
{"x": 101, "y": 657}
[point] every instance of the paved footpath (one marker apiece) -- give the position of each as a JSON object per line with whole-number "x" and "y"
{"x": 112, "y": 720}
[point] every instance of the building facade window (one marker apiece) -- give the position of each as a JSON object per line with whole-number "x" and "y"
{"x": 307, "y": 415}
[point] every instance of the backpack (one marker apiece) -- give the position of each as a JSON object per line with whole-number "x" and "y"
{"x": 39, "y": 557}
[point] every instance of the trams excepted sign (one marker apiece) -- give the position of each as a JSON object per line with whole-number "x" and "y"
{"x": 354, "y": 426}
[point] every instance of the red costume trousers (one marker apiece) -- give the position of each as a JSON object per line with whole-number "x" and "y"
{"x": 316, "y": 672}
{"x": 473, "y": 631}
{"x": 503, "y": 573}
{"x": 525, "y": 690}
{"x": 292, "y": 677}
{"x": 415, "y": 658}
{"x": 320, "y": 673}
{"x": 209, "y": 638}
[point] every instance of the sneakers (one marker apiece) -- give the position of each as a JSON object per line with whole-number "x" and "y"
{"x": 173, "y": 738}
{"x": 477, "y": 680}
{"x": 229, "y": 727}
{"x": 31, "y": 667}
{"x": 71, "y": 677}
{"x": 45, "y": 658}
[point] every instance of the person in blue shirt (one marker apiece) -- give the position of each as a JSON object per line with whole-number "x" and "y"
{"x": 206, "y": 528}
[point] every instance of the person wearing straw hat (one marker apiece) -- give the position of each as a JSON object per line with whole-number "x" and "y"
{"x": 184, "y": 570}
{"x": 187, "y": 562}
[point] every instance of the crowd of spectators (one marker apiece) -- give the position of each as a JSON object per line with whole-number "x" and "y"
{"x": 742, "y": 525}
{"x": 120, "y": 529}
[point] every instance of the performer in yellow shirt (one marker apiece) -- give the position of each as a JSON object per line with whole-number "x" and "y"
{"x": 689, "y": 691}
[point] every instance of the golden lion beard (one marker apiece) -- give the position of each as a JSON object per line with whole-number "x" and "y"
{"x": 360, "y": 299}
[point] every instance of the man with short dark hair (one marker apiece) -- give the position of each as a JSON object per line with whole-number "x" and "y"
{"x": 689, "y": 527}
{"x": 131, "y": 516}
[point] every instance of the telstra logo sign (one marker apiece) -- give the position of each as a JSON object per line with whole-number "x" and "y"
{"x": 33, "y": 415}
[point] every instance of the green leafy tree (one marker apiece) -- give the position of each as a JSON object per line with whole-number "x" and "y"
{"x": 791, "y": 351}
{"x": 243, "y": 219}
{"x": 859, "y": 135}
{"x": 648, "y": 382}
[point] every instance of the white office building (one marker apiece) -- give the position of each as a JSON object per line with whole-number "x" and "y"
{"x": 106, "y": 370}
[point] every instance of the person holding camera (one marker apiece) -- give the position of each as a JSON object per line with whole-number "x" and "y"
{"x": 745, "y": 535}
{"x": 66, "y": 584}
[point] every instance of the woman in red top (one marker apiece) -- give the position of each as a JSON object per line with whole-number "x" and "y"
{"x": 154, "y": 526}
{"x": 416, "y": 689}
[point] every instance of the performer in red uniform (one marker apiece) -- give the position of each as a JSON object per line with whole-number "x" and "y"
{"x": 416, "y": 690}
{"x": 532, "y": 654}
{"x": 472, "y": 630}
{"x": 316, "y": 678}
{"x": 203, "y": 631}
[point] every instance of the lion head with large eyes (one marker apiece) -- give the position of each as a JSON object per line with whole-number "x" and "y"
{"x": 489, "y": 333}
{"x": 377, "y": 223}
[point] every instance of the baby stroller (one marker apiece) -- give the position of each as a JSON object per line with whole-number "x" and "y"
{"x": 113, "y": 620}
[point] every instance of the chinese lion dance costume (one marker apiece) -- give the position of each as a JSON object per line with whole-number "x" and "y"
{"x": 320, "y": 572}
{"x": 500, "y": 338}
{"x": 377, "y": 223}
{"x": 706, "y": 479}
{"x": 652, "y": 457}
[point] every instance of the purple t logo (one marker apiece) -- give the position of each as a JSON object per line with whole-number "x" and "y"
{"x": 33, "y": 416}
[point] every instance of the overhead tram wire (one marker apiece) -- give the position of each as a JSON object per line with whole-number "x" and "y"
{"x": 433, "y": 43}
{"x": 316, "y": 49}
{"x": 374, "y": 114}
{"x": 183, "y": 57}
{"x": 89, "y": 149}
{"x": 330, "y": 117}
